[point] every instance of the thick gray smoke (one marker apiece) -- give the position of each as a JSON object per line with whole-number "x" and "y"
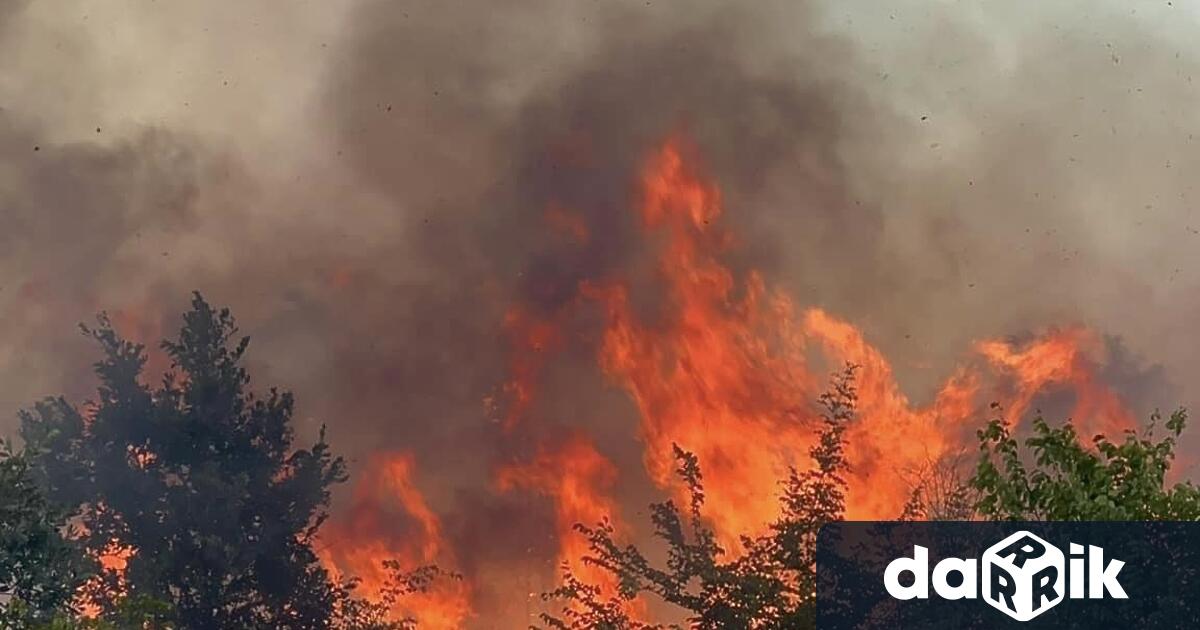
{"x": 365, "y": 185}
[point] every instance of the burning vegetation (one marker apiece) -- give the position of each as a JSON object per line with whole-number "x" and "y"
{"x": 218, "y": 520}
{"x": 197, "y": 510}
{"x": 526, "y": 309}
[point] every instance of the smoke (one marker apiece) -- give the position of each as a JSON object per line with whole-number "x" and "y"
{"x": 367, "y": 185}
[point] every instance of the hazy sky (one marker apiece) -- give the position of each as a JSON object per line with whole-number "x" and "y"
{"x": 1039, "y": 151}
{"x": 361, "y": 181}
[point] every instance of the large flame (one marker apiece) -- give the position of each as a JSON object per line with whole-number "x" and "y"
{"x": 1062, "y": 357}
{"x": 579, "y": 480}
{"x": 728, "y": 369}
{"x": 724, "y": 370}
{"x": 370, "y": 533}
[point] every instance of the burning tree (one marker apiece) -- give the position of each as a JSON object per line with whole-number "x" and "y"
{"x": 769, "y": 583}
{"x": 192, "y": 494}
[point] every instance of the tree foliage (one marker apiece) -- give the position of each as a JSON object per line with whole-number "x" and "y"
{"x": 939, "y": 491}
{"x": 1113, "y": 480}
{"x": 198, "y": 480}
{"x": 133, "y": 613}
{"x": 198, "y": 476}
{"x": 355, "y": 613}
{"x": 41, "y": 567}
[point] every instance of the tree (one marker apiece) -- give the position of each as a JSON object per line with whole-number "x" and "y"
{"x": 939, "y": 491}
{"x": 133, "y": 613}
{"x": 1113, "y": 480}
{"x": 198, "y": 478}
{"x": 41, "y": 567}
{"x": 354, "y": 613}
{"x": 769, "y": 585}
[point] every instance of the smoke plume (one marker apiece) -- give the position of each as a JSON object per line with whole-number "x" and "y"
{"x": 394, "y": 196}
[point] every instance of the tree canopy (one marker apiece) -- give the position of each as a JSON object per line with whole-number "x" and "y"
{"x": 1059, "y": 478}
{"x": 198, "y": 485}
{"x": 41, "y": 567}
{"x": 198, "y": 477}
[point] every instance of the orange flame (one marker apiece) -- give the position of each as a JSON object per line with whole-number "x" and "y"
{"x": 723, "y": 372}
{"x": 728, "y": 369}
{"x": 890, "y": 436}
{"x": 369, "y": 534}
{"x": 579, "y": 479}
{"x": 114, "y": 558}
{"x": 532, "y": 338}
{"x": 1062, "y": 357}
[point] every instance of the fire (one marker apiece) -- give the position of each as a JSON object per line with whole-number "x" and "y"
{"x": 1062, "y": 357}
{"x": 726, "y": 376}
{"x": 728, "y": 369}
{"x": 372, "y": 531}
{"x": 724, "y": 370}
{"x": 114, "y": 558}
{"x": 890, "y": 436}
{"x": 580, "y": 480}
{"x": 533, "y": 338}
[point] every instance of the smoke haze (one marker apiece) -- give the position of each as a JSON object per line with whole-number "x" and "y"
{"x": 366, "y": 184}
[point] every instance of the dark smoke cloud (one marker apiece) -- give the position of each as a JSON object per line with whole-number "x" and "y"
{"x": 424, "y": 118}
{"x": 81, "y": 223}
{"x": 367, "y": 190}
{"x": 9, "y": 11}
{"x": 427, "y": 121}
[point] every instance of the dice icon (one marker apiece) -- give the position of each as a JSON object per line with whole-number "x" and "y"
{"x": 1023, "y": 576}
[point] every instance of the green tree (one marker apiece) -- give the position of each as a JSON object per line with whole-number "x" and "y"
{"x": 199, "y": 476}
{"x": 41, "y": 567}
{"x": 769, "y": 585}
{"x": 1061, "y": 479}
{"x": 133, "y": 613}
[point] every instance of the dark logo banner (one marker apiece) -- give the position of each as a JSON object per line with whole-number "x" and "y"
{"x": 1008, "y": 575}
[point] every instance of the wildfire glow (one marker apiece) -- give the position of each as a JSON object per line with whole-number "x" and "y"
{"x": 1060, "y": 358}
{"x": 728, "y": 369}
{"x": 578, "y": 479}
{"x": 115, "y": 559}
{"x": 724, "y": 370}
{"x": 367, "y": 535}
